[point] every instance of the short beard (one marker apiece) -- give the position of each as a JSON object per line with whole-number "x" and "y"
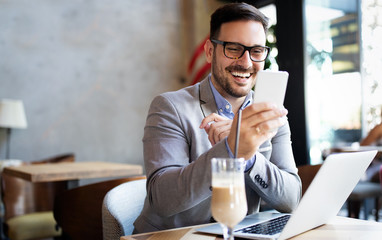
{"x": 223, "y": 81}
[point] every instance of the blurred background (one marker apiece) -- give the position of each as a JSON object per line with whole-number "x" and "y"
{"x": 86, "y": 71}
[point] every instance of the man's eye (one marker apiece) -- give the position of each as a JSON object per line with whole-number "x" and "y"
{"x": 258, "y": 50}
{"x": 233, "y": 49}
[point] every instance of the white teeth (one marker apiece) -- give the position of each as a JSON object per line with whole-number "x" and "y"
{"x": 243, "y": 75}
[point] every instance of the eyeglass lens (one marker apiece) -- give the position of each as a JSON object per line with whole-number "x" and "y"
{"x": 234, "y": 50}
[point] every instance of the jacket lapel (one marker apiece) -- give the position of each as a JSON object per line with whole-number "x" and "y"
{"x": 206, "y": 98}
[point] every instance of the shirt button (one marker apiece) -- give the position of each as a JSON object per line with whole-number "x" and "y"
{"x": 227, "y": 106}
{"x": 220, "y": 110}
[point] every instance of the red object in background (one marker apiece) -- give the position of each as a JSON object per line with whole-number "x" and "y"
{"x": 199, "y": 71}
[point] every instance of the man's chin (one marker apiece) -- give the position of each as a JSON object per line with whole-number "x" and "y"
{"x": 240, "y": 93}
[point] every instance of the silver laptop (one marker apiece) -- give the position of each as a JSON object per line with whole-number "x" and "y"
{"x": 322, "y": 201}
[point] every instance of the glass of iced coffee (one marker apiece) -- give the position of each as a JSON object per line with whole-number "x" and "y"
{"x": 229, "y": 203}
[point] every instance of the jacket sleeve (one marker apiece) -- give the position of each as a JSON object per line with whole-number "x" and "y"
{"x": 274, "y": 175}
{"x": 177, "y": 180}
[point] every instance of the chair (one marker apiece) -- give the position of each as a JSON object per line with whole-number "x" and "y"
{"x": 121, "y": 206}
{"x": 28, "y": 206}
{"x": 78, "y": 211}
{"x": 364, "y": 190}
{"x": 307, "y": 173}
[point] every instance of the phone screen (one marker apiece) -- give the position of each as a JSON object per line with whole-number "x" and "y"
{"x": 271, "y": 86}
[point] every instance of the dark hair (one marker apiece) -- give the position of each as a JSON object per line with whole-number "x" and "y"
{"x": 235, "y": 12}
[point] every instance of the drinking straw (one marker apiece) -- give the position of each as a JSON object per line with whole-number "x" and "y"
{"x": 237, "y": 133}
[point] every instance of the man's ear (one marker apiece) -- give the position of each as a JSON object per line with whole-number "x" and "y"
{"x": 208, "y": 50}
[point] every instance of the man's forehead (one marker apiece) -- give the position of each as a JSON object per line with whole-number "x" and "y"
{"x": 247, "y": 32}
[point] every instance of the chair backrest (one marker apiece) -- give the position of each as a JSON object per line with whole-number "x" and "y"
{"x": 78, "y": 210}
{"x": 307, "y": 173}
{"x": 22, "y": 197}
{"x": 121, "y": 206}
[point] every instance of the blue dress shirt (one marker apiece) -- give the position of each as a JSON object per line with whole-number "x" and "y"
{"x": 225, "y": 109}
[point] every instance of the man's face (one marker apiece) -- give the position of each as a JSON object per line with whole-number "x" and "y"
{"x": 236, "y": 77}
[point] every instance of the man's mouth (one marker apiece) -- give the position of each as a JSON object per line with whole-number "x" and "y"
{"x": 240, "y": 74}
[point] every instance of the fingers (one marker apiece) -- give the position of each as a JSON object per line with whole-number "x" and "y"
{"x": 258, "y": 114}
{"x": 264, "y": 111}
{"x": 219, "y": 131}
{"x": 217, "y": 127}
{"x": 213, "y": 117}
{"x": 265, "y": 120}
{"x": 259, "y": 123}
{"x": 270, "y": 125}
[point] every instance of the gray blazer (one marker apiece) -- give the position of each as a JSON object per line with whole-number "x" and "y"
{"x": 177, "y": 156}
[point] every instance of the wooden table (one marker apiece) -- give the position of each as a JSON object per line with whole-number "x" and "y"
{"x": 338, "y": 228}
{"x": 51, "y": 172}
{"x": 356, "y": 148}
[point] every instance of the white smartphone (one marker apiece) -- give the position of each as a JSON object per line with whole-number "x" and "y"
{"x": 271, "y": 86}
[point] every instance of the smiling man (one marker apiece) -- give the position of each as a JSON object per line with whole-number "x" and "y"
{"x": 187, "y": 128}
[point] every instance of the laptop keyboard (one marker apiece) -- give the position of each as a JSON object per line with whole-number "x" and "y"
{"x": 270, "y": 227}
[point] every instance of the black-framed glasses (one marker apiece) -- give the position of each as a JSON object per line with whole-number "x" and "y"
{"x": 234, "y": 50}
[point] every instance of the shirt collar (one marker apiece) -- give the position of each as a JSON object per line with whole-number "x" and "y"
{"x": 224, "y": 107}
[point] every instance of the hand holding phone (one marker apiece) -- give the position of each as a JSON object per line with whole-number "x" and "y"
{"x": 271, "y": 86}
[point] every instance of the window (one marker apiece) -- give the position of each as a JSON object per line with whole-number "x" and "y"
{"x": 343, "y": 72}
{"x": 333, "y": 75}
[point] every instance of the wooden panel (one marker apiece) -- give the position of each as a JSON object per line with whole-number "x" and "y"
{"x": 78, "y": 211}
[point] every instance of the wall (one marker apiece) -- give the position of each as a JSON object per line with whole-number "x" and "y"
{"x": 87, "y": 72}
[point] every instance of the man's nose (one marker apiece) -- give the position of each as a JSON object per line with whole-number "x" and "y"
{"x": 245, "y": 60}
